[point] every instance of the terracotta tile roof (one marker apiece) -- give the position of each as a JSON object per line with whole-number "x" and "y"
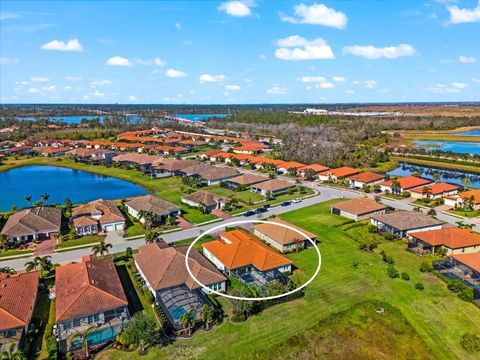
{"x": 248, "y": 179}
{"x": 32, "y": 221}
{"x": 205, "y": 197}
{"x": 436, "y": 188}
{"x": 340, "y": 172}
{"x": 88, "y": 287}
{"x": 367, "y": 177}
{"x": 291, "y": 165}
{"x": 213, "y": 153}
{"x": 107, "y": 210}
{"x": 164, "y": 267}
{"x": 407, "y": 220}
{"x": 141, "y": 159}
{"x": 408, "y": 182}
{"x": 18, "y": 294}
{"x": 152, "y": 204}
{"x": 470, "y": 260}
{"x": 237, "y": 249}
{"x": 282, "y": 235}
{"x": 314, "y": 167}
{"x": 453, "y": 238}
{"x": 359, "y": 206}
{"x": 273, "y": 185}
{"x": 84, "y": 221}
{"x": 252, "y": 148}
{"x": 210, "y": 172}
{"x": 54, "y": 150}
{"x": 468, "y": 194}
{"x": 172, "y": 164}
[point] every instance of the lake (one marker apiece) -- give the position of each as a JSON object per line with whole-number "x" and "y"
{"x": 455, "y": 146}
{"x": 450, "y": 176}
{"x": 201, "y": 117}
{"x": 469, "y": 133}
{"x": 60, "y": 183}
{"x": 77, "y": 119}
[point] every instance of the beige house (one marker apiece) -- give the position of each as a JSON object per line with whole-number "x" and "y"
{"x": 453, "y": 240}
{"x": 209, "y": 200}
{"x": 272, "y": 187}
{"x": 358, "y": 209}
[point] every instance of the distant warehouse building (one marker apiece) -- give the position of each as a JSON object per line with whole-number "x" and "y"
{"x": 358, "y": 209}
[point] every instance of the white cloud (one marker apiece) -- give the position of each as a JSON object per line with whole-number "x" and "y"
{"x": 263, "y": 57}
{"x": 6, "y": 15}
{"x": 296, "y": 47}
{"x": 56, "y": 45}
{"x": 159, "y": 62}
{"x": 350, "y": 92}
{"x": 233, "y": 87}
{"x": 466, "y": 59}
{"x": 39, "y": 79}
{"x": 459, "y": 15}
{"x": 99, "y": 82}
{"x": 372, "y": 52}
{"x": 312, "y": 79}
{"x": 154, "y": 62}
{"x": 119, "y": 61}
{"x": 237, "y": 8}
{"x": 8, "y": 61}
{"x": 452, "y": 88}
{"x": 317, "y": 14}
{"x": 73, "y": 78}
{"x": 178, "y": 26}
{"x": 277, "y": 90}
{"x": 132, "y": 98}
{"x": 172, "y": 73}
{"x": 44, "y": 90}
{"x": 368, "y": 84}
{"x": 98, "y": 94}
{"x": 339, "y": 79}
{"x": 209, "y": 78}
{"x": 326, "y": 85}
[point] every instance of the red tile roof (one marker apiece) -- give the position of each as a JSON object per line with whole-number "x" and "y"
{"x": 367, "y": 177}
{"x": 237, "y": 249}
{"x": 408, "y": 182}
{"x": 470, "y": 260}
{"x": 452, "y": 238}
{"x": 88, "y": 287}
{"x": 340, "y": 172}
{"x": 314, "y": 167}
{"x": 18, "y": 294}
{"x": 436, "y": 189}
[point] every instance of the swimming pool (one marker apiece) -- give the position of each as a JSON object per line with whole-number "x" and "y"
{"x": 176, "y": 311}
{"x": 101, "y": 336}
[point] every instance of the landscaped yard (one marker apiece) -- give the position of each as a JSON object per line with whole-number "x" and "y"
{"x": 467, "y": 214}
{"x": 351, "y": 284}
{"x": 81, "y": 241}
{"x": 14, "y": 252}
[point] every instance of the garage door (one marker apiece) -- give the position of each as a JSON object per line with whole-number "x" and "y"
{"x": 109, "y": 228}
{"x": 119, "y": 227}
{"x": 336, "y": 211}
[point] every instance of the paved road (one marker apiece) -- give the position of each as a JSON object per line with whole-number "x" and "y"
{"x": 326, "y": 193}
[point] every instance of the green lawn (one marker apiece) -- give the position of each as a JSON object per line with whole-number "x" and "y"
{"x": 467, "y": 214}
{"x": 438, "y": 317}
{"x": 84, "y": 240}
{"x": 14, "y": 252}
{"x": 246, "y": 196}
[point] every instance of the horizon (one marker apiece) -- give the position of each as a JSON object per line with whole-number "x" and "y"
{"x": 239, "y": 52}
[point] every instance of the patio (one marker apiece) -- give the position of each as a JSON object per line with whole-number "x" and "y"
{"x": 261, "y": 278}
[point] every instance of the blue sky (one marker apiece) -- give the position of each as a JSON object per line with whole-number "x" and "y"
{"x": 239, "y": 51}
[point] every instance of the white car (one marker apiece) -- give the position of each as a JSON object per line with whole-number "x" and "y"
{"x": 296, "y": 201}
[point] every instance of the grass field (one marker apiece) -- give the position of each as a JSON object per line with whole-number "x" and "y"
{"x": 436, "y": 316}
{"x": 467, "y": 214}
{"x": 84, "y": 240}
{"x": 14, "y": 252}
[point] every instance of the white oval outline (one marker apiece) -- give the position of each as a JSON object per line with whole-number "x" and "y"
{"x": 249, "y": 298}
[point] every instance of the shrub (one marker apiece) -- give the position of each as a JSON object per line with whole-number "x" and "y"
{"x": 392, "y": 272}
{"x": 372, "y": 229}
{"x": 405, "y": 276}
{"x": 389, "y": 236}
{"x": 419, "y": 286}
{"x": 425, "y": 267}
{"x": 432, "y": 212}
{"x": 471, "y": 343}
{"x": 406, "y": 194}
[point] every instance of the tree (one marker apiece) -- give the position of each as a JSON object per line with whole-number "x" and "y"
{"x": 395, "y": 186}
{"x": 12, "y": 353}
{"x": 45, "y": 263}
{"x": 188, "y": 320}
{"x": 28, "y": 198}
{"x": 207, "y": 315}
{"x": 466, "y": 181}
{"x": 140, "y": 331}
{"x": 436, "y": 176}
{"x": 45, "y": 198}
{"x": 7, "y": 270}
{"x": 32, "y": 264}
{"x": 101, "y": 248}
{"x": 152, "y": 236}
{"x": 83, "y": 335}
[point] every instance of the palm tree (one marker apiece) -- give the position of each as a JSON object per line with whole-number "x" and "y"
{"x": 45, "y": 263}
{"x": 12, "y": 353}
{"x": 152, "y": 236}
{"x": 466, "y": 181}
{"x": 207, "y": 315}
{"x": 28, "y": 198}
{"x": 188, "y": 319}
{"x": 436, "y": 176}
{"x": 84, "y": 336}
{"x": 7, "y": 270}
{"x": 101, "y": 248}
{"x": 45, "y": 197}
{"x": 395, "y": 186}
{"x": 32, "y": 264}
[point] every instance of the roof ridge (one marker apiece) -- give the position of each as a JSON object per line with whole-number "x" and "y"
{"x": 166, "y": 270}
{"x": 10, "y": 314}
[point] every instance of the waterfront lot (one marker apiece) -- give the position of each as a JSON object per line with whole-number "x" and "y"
{"x": 437, "y": 317}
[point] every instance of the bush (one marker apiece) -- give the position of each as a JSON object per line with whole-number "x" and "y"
{"x": 141, "y": 328}
{"x": 392, "y": 272}
{"x": 471, "y": 343}
{"x": 406, "y": 194}
{"x": 405, "y": 276}
{"x": 372, "y": 229}
{"x": 432, "y": 212}
{"x": 425, "y": 267}
{"x": 389, "y": 236}
{"x": 419, "y": 286}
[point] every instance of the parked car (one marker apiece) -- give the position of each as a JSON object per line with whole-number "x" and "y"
{"x": 249, "y": 213}
{"x": 296, "y": 201}
{"x": 377, "y": 191}
{"x": 266, "y": 206}
{"x": 286, "y": 203}
{"x": 260, "y": 210}
{"x": 354, "y": 188}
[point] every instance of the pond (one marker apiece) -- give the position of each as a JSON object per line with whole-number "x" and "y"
{"x": 60, "y": 183}
{"x": 78, "y": 119}
{"x": 455, "y": 146}
{"x": 450, "y": 176}
{"x": 469, "y": 133}
{"x": 201, "y": 117}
